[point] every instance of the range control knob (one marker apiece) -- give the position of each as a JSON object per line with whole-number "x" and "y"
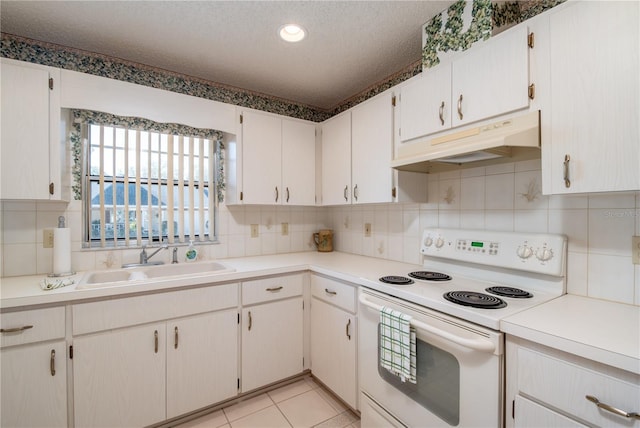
{"x": 525, "y": 251}
{"x": 439, "y": 242}
{"x": 544, "y": 254}
{"x": 428, "y": 241}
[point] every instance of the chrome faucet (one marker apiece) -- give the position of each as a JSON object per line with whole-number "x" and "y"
{"x": 175, "y": 255}
{"x": 144, "y": 258}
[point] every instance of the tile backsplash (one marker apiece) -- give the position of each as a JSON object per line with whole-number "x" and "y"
{"x": 501, "y": 197}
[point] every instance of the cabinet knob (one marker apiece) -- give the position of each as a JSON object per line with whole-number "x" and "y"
{"x": 441, "y": 113}
{"x": 346, "y": 189}
{"x": 277, "y": 194}
{"x": 460, "y": 107}
{"x": 567, "y": 181}
{"x": 52, "y": 362}
{"x": 611, "y": 409}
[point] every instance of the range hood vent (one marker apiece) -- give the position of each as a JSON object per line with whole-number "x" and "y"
{"x": 507, "y": 140}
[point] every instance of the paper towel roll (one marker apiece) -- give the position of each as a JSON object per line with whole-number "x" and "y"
{"x": 61, "y": 250}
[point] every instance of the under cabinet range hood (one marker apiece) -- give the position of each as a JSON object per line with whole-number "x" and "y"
{"x": 506, "y": 140}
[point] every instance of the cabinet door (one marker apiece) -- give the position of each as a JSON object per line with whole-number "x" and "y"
{"x": 336, "y": 160}
{"x": 298, "y": 163}
{"x": 261, "y": 158}
{"x": 333, "y": 349}
{"x": 372, "y": 150}
{"x": 425, "y": 103}
{"x": 595, "y": 97}
{"x": 492, "y": 79}
{"x": 34, "y": 395}
{"x": 119, "y": 377}
{"x": 25, "y": 132}
{"x": 202, "y": 361}
{"x": 272, "y": 347}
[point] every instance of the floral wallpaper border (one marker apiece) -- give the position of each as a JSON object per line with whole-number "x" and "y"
{"x": 448, "y": 32}
{"x": 489, "y": 17}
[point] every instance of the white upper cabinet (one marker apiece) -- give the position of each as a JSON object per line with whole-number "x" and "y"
{"x": 426, "y": 103}
{"x": 278, "y": 160}
{"x": 32, "y": 147}
{"x": 298, "y": 162}
{"x": 491, "y": 79}
{"x": 336, "y": 160}
{"x": 488, "y": 80}
{"x": 372, "y": 150}
{"x": 594, "y": 127}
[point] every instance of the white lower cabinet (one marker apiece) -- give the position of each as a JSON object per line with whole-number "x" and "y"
{"x": 34, "y": 385}
{"x": 550, "y": 388}
{"x": 33, "y": 368}
{"x": 119, "y": 377}
{"x": 272, "y": 329}
{"x": 202, "y": 361}
{"x": 144, "y": 359}
{"x": 334, "y": 337}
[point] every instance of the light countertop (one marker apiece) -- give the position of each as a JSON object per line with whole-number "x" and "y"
{"x": 599, "y": 330}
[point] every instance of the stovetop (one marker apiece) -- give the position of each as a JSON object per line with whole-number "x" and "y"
{"x": 477, "y": 260}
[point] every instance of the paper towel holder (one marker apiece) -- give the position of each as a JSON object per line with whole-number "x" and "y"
{"x": 61, "y": 225}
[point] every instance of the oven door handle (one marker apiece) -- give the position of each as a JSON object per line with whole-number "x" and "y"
{"x": 478, "y": 344}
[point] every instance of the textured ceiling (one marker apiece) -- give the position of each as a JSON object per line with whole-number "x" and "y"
{"x": 351, "y": 44}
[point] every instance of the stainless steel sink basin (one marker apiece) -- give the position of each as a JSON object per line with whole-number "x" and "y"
{"x": 123, "y": 276}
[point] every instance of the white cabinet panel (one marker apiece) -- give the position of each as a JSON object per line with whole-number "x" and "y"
{"x": 298, "y": 163}
{"x": 272, "y": 342}
{"x": 372, "y": 150}
{"x": 595, "y": 98}
{"x": 32, "y": 326}
{"x": 119, "y": 377}
{"x": 202, "y": 361}
{"x": 336, "y": 160}
{"x": 34, "y": 385}
{"x": 261, "y": 158}
{"x": 30, "y": 140}
{"x": 532, "y": 415}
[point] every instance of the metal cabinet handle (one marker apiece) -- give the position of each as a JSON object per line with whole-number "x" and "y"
{"x": 250, "y": 321}
{"x": 441, "y": 113}
{"x": 52, "y": 362}
{"x": 277, "y": 194}
{"x": 332, "y": 293}
{"x": 346, "y": 189}
{"x": 611, "y": 409}
{"x": 155, "y": 341}
{"x": 15, "y": 329}
{"x": 347, "y": 329}
{"x": 355, "y": 192}
{"x": 175, "y": 338}
{"x": 287, "y": 194}
{"x": 567, "y": 181}
{"x": 460, "y": 107}
{"x": 274, "y": 289}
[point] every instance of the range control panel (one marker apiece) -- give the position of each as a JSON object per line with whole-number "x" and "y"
{"x": 533, "y": 252}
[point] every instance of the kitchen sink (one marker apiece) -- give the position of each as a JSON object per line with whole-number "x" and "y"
{"x": 122, "y": 276}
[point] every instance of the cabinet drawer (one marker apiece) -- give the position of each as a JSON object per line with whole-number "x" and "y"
{"x": 565, "y": 385}
{"x": 105, "y": 315}
{"x": 267, "y": 289}
{"x": 334, "y": 292}
{"x": 32, "y": 326}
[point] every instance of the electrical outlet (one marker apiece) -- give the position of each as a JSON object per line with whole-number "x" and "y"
{"x": 47, "y": 238}
{"x": 254, "y": 231}
{"x": 285, "y": 229}
{"x": 635, "y": 250}
{"x": 367, "y": 229}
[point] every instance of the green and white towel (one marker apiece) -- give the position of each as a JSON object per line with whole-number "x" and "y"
{"x": 397, "y": 344}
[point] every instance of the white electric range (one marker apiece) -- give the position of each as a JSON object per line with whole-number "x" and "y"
{"x": 460, "y": 350}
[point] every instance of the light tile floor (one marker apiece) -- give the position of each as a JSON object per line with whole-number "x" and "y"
{"x": 300, "y": 404}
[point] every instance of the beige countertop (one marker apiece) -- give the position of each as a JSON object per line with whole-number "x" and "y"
{"x": 599, "y": 330}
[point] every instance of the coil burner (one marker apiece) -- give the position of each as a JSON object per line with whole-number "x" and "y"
{"x": 396, "y": 280}
{"x": 430, "y": 276}
{"x": 515, "y": 293}
{"x": 475, "y": 299}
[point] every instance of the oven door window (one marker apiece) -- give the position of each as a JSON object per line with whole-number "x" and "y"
{"x": 438, "y": 381}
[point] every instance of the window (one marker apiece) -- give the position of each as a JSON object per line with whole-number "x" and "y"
{"x": 147, "y": 185}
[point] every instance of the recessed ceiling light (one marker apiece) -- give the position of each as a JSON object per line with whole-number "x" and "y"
{"x": 292, "y": 32}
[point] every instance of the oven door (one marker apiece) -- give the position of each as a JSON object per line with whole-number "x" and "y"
{"x": 459, "y": 368}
